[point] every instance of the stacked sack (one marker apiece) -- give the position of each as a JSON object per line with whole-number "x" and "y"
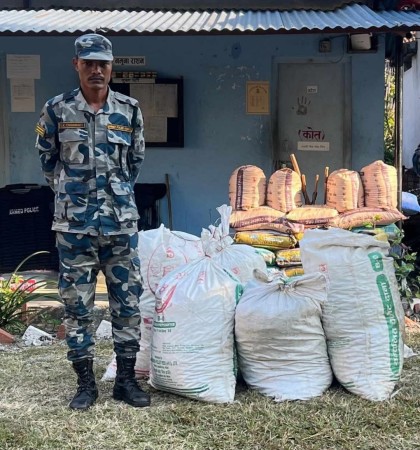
{"x": 353, "y": 199}
{"x": 193, "y": 349}
{"x": 160, "y": 251}
{"x": 368, "y": 198}
{"x": 259, "y": 212}
{"x": 164, "y": 255}
{"x": 343, "y": 317}
{"x": 363, "y": 317}
{"x": 281, "y": 345}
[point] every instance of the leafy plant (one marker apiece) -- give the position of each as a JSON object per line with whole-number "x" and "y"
{"x": 15, "y": 293}
{"x": 46, "y": 319}
{"x": 406, "y": 272}
{"x": 389, "y": 115}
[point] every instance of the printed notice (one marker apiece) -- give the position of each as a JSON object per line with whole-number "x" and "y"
{"x": 143, "y": 93}
{"x": 166, "y": 104}
{"x": 155, "y": 129}
{"x": 23, "y": 66}
{"x": 156, "y": 99}
{"x": 257, "y": 97}
{"x": 22, "y": 94}
{"x": 313, "y": 146}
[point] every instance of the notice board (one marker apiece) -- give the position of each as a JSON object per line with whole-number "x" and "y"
{"x": 161, "y": 102}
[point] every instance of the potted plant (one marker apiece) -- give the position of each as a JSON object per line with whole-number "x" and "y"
{"x": 15, "y": 294}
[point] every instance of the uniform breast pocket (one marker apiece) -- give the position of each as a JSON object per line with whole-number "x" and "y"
{"x": 119, "y": 137}
{"x": 71, "y": 201}
{"x": 123, "y": 202}
{"x": 119, "y": 142}
{"x": 74, "y": 145}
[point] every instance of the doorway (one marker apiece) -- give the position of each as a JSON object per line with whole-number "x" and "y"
{"x": 314, "y": 119}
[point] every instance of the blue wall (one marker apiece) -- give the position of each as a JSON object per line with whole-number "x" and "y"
{"x": 219, "y": 135}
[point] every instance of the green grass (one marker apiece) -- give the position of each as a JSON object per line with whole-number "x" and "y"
{"x": 36, "y": 385}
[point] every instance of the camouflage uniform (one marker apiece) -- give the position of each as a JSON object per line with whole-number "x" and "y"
{"x": 91, "y": 161}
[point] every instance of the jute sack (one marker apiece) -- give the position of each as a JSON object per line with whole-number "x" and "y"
{"x": 284, "y": 190}
{"x": 263, "y": 218}
{"x": 366, "y": 216}
{"x": 345, "y": 190}
{"x": 312, "y": 215}
{"x": 363, "y": 317}
{"x": 247, "y": 186}
{"x": 380, "y": 185}
{"x": 281, "y": 345}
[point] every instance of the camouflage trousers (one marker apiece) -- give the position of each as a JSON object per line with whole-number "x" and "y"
{"x": 81, "y": 257}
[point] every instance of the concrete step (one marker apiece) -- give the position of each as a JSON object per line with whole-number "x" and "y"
{"x": 101, "y": 293}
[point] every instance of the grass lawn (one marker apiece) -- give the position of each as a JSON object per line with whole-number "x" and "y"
{"x": 36, "y": 384}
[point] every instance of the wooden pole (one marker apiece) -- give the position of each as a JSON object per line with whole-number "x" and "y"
{"x": 315, "y": 193}
{"x": 305, "y": 193}
{"x": 326, "y": 174}
{"x": 295, "y": 164}
{"x": 168, "y": 196}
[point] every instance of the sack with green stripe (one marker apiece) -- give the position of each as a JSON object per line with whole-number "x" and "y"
{"x": 363, "y": 316}
{"x": 193, "y": 351}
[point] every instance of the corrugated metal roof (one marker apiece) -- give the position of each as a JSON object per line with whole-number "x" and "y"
{"x": 185, "y": 5}
{"x": 350, "y": 17}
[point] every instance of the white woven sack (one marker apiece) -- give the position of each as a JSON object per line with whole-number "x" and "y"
{"x": 363, "y": 316}
{"x": 281, "y": 345}
{"x": 193, "y": 338}
{"x": 345, "y": 190}
{"x": 161, "y": 251}
{"x": 247, "y": 186}
{"x": 284, "y": 190}
{"x": 240, "y": 259}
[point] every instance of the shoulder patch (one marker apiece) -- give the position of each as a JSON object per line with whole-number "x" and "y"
{"x": 40, "y": 130}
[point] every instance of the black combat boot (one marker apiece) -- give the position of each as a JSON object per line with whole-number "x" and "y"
{"x": 87, "y": 392}
{"x": 126, "y": 387}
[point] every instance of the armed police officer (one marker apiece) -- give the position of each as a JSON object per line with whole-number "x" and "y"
{"x": 91, "y": 146}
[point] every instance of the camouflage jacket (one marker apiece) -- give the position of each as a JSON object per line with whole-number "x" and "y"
{"x": 92, "y": 161}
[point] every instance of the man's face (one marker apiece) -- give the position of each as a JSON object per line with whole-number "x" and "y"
{"x": 93, "y": 74}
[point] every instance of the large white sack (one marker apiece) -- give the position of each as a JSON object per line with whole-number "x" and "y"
{"x": 161, "y": 251}
{"x": 193, "y": 338}
{"x": 281, "y": 345}
{"x": 363, "y": 317}
{"x": 240, "y": 259}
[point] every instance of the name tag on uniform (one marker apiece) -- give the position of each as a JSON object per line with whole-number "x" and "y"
{"x": 67, "y": 125}
{"x": 119, "y": 128}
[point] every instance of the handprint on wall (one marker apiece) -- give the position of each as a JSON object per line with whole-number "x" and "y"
{"x": 303, "y": 104}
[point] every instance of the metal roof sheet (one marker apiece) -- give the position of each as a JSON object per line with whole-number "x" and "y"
{"x": 349, "y": 17}
{"x": 185, "y": 5}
